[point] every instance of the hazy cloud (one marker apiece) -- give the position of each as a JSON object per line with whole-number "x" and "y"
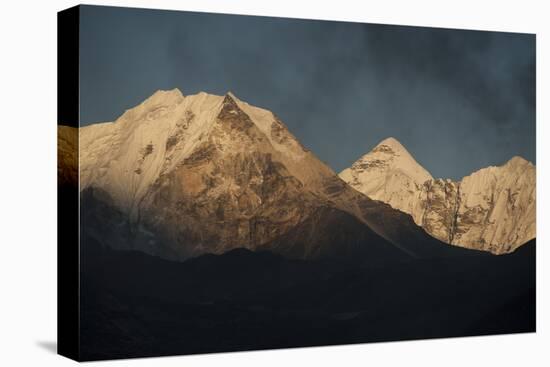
{"x": 458, "y": 100}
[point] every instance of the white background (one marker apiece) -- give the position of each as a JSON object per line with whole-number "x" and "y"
{"x": 28, "y": 183}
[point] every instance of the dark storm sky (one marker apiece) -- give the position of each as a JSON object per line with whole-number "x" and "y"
{"x": 457, "y": 100}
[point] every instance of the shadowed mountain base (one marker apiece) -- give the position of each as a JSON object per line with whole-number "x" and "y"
{"x": 136, "y": 305}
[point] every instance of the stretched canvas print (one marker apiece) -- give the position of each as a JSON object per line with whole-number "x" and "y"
{"x": 232, "y": 183}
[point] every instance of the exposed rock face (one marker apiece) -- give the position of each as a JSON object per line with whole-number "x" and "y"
{"x": 180, "y": 176}
{"x": 437, "y": 208}
{"x": 493, "y": 209}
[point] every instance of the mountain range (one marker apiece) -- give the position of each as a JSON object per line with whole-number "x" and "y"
{"x": 206, "y": 226}
{"x": 179, "y": 176}
{"x": 493, "y": 209}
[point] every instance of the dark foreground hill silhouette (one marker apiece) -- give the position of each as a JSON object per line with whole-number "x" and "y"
{"x": 137, "y": 305}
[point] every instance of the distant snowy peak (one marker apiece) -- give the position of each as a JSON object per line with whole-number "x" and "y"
{"x": 392, "y": 144}
{"x": 157, "y": 104}
{"x": 166, "y": 97}
{"x": 388, "y": 173}
{"x": 390, "y": 155}
{"x": 493, "y": 209}
{"x": 517, "y": 162}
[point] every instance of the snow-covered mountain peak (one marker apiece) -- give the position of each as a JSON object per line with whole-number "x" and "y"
{"x": 388, "y": 173}
{"x": 166, "y": 130}
{"x": 152, "y": 108}
{"x": 387, "y": 156}
{"x": 393, "y": 150}
{"x": 517, "y": 161}
{"x": 392, "y": 144}
{"x": 163, "y": 98}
